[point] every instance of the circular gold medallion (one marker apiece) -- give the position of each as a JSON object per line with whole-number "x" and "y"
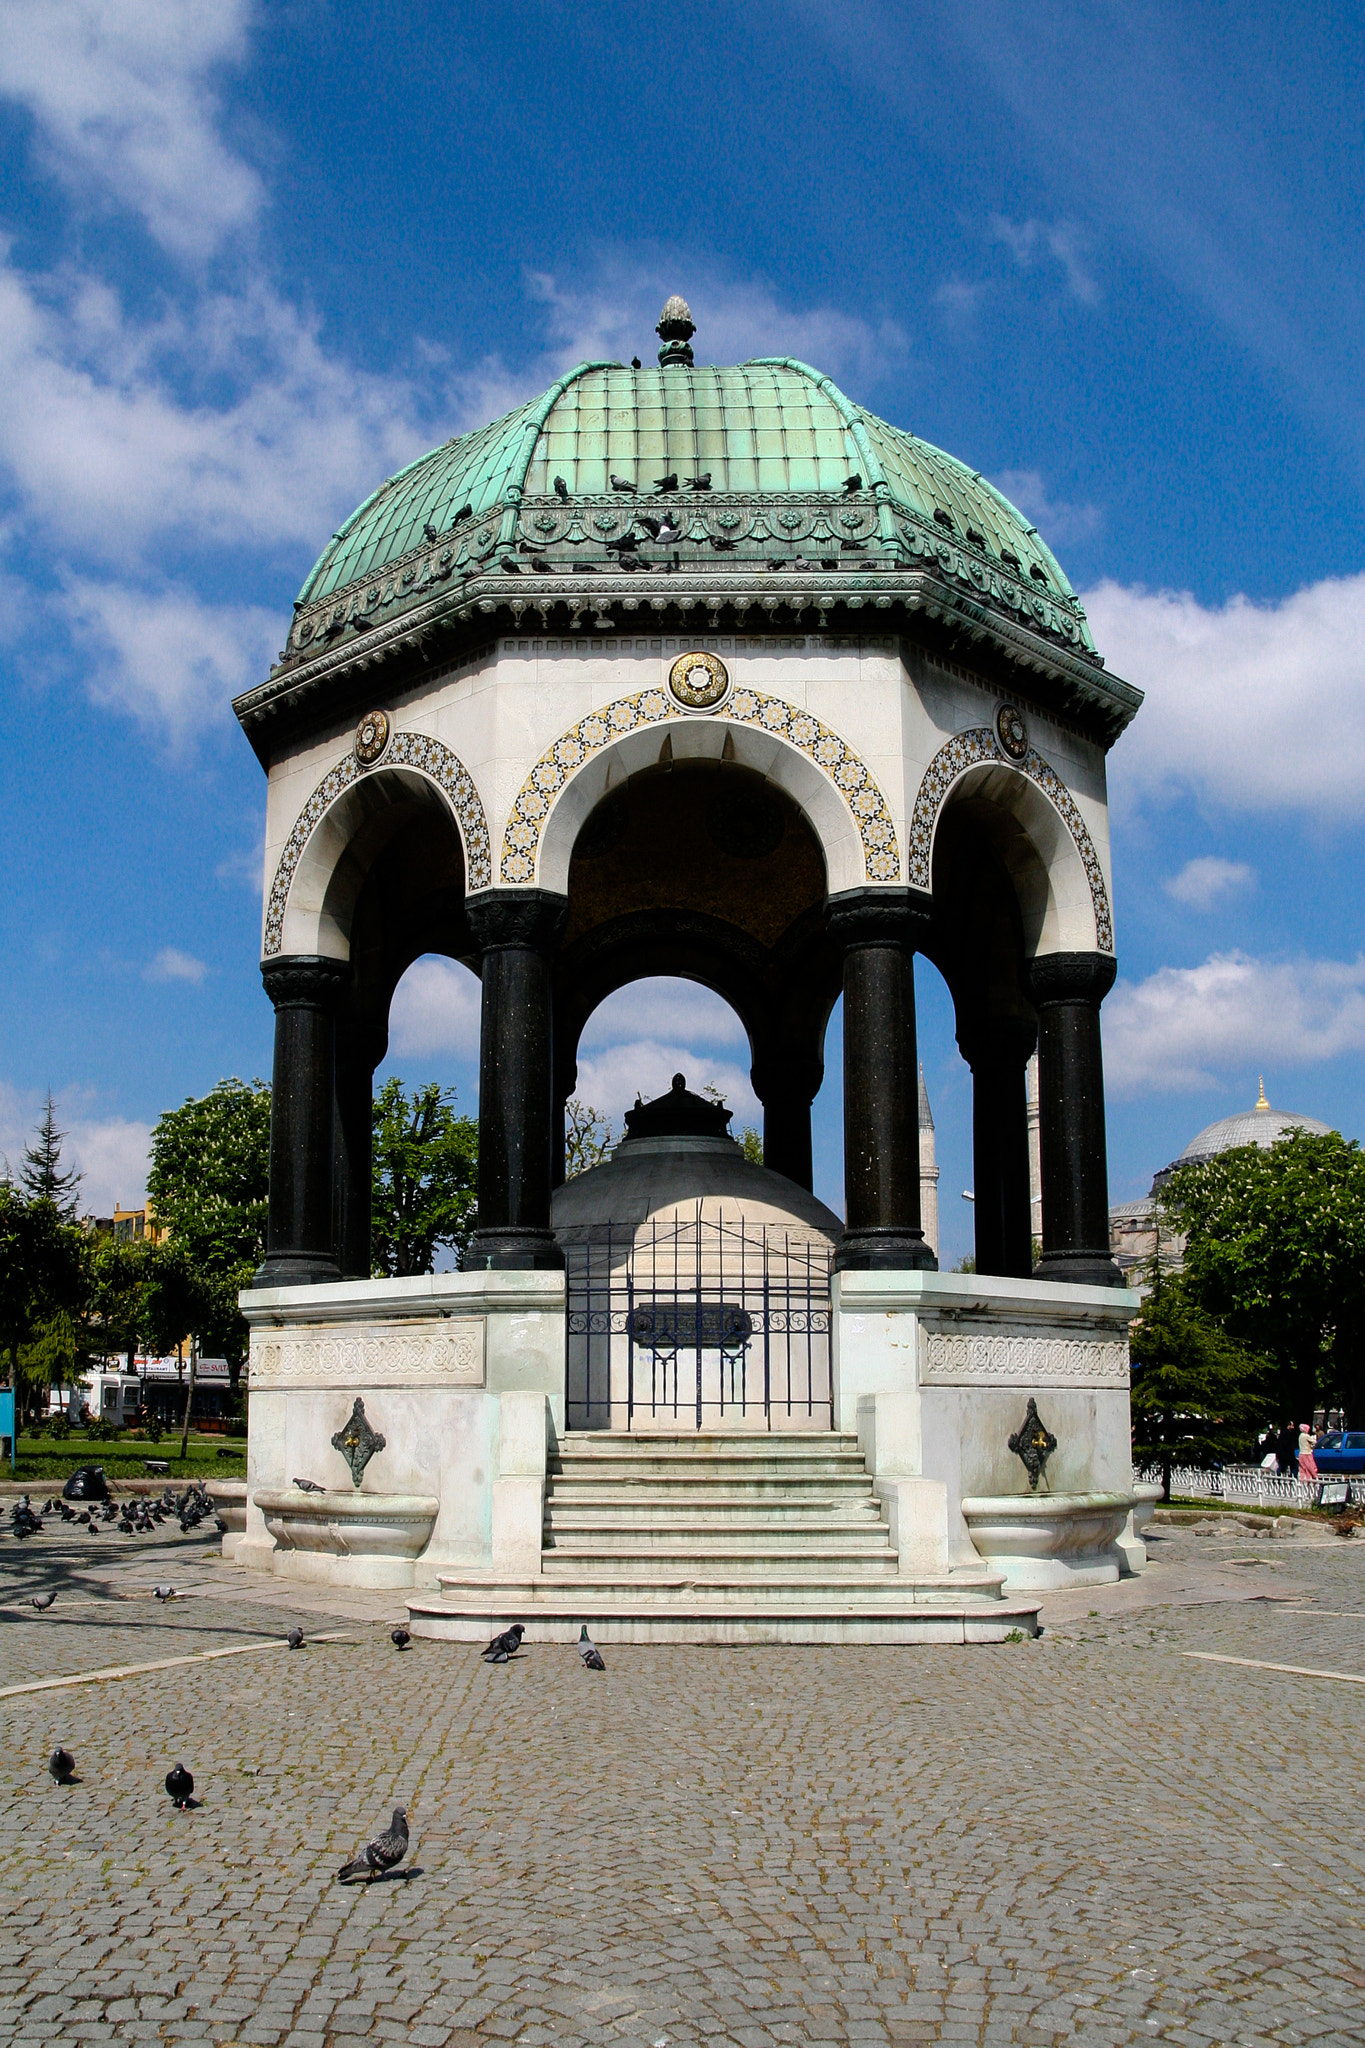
{"x": 1011, "y": 732}
{"x": 371, "y": 736}
{"x": 698, "y": 681}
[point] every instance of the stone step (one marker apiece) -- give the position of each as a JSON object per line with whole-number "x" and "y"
{"x": 709, "y": 1509}
{"x": 623, "y": 1541}
{"x": 716, "y": 1471}
{"x": 711, "y": 1560}
{"x": 776, "y": 1446}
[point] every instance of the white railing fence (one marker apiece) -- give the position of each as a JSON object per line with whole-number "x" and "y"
{"x": 1249, "y": 1483}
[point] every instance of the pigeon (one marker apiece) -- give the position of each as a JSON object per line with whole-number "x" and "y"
{"x": 179, "y": 1784}
{"x": 42, "y": 1601}
{"x": 504, "y": 1646}
{"x": 667, "y": 483}
{"x": 545, "y": 567}
{"x": 635, "y": 362}
{"x": 400, "y": 1637}
{"x": 295, "y": 1637}
{"x": 60, "y": 1766}
{"x": 668, "y": 531}
{"x": 589, "y": 1652}
{"x": 853, "y": 483}
{"x": 619, "y": 483}
{"x": 428, "y": 530}
{"x": 561, "y": 490}
{"x": 309, "y": 1486}
{"x": 163, "y": 1592}
{"x": 463, "y": 513}
{"x": 700, "y": 483}
{"x": 652, "y": 526}
{"x": 511, "y": 565}
{"x": 382, "y": 1853}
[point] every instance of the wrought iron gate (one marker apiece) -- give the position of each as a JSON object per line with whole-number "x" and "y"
{"x": 698, "y": 1323}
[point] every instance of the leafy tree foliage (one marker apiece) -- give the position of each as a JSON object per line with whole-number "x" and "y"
{"x": 1276, "y": 1253}
{"x": 1197, "y": 1393}
{"x": 587, "y": 1136}
{"x": 425, "y": 1177}
{"x": 43, "y": 1275}
{"x": 209, "y": 1186}
{"x": 41, "y": 1175}
{"x": 752, "y": 1141}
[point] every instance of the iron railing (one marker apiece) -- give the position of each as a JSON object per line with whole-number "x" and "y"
{"x": 694, "y": 1323}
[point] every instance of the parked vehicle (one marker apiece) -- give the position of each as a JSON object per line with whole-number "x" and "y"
{"x": 1341, "y": 1452}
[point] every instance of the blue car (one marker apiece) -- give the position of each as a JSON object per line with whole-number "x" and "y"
{"x": 1341, "y": 1453}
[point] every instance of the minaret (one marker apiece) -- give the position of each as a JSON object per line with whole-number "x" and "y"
{"x": 928, "y": 1169}
{"x": 1035, "y": 1153}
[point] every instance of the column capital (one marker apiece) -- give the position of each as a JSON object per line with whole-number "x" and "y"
{"x": 1071, "y": 977}
{"x": 1008, "y": 1039}
{"x": 773, "y": 1074}
{"x": 881, "y": 917}
{"x": 305, "y": 980}
{"x": 533, "y": 918}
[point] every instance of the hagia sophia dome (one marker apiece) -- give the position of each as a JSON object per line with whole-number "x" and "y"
{"x": 1260, "y": 1125}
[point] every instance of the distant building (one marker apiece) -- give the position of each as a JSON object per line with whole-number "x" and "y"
{"x": 1136, "y": 1231}
{"x": 136, "y": 1223}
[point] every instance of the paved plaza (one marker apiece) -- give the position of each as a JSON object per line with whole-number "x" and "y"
{"x": 1094, "y": 1837}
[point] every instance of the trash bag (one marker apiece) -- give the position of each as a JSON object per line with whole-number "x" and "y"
{"x": 87, "y": 1482}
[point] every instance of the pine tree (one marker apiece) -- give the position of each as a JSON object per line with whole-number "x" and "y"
{"x": 41, "y": 1173}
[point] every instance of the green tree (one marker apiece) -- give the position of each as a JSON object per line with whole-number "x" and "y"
{"x": 179, "y": 1299}
{"x": 1276, "y": 1254}
{"x": 209, "y": 1187}
{"x": 587, "y": 1137}
{"x": 118, "y": 1274}
{"x": 1197, "y": 1394}
{"x": 43, "y": 1276}
{"x": 41, "y": 1175}
{"x": 752, "y": 1141}
{"x": 425, "y": 1177}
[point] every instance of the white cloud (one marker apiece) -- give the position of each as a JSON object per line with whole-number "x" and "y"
{"x": 1057, "y": 521}
{"x": 125, "y": 112}
{"x": 1060, "y": 239}
{"x": 664, "y": 1007}
{"x": 1201, "y": 883}
{"x": 435, "y": 1010}
{"x": 167, "y": 658}
{"x": 1254, "y": 706}
{"x": 611, "y": 1078}
{"x": 112, "y": 1152}
{"x": 171, "y": 964}
{"x": 1185, "y": 1027}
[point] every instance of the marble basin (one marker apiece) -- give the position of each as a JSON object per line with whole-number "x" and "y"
{"x": 229, "y": 1504}
{"x": 1045, "y": 1540}
{"x": 381, "y": 1534}
{"x": 1146, "y": 1500}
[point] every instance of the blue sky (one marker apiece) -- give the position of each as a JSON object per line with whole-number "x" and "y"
{"x": 252, "y": 259}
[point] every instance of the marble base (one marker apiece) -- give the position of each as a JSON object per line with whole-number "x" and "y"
{"x": 1131, "y": 1547}
{"x": 378, "y": 1535}
{"x": 1043, "y": 1541}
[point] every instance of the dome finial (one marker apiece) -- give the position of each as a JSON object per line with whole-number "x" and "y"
{"x": 675, "y": 330}
{"x": 1261, "y": 1102}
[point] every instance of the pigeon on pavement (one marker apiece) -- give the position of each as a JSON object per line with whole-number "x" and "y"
{"x": 400, "y": 1637}
{"x": 382, "y": 1853}
{"x": 504, "y": 1646}
{"x": 60, "y": 1765}
{"x": 295, "y": 1637}
{"x": 179, "y": 1784}
{"x": 163, "y": 1592}
{"x": 589, "y": 1652}
{"x": 42, "y": 1601}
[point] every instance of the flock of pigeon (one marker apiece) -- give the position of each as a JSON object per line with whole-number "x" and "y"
{"x": 138, "y": 1516}
{"x": 386, "y": 1851}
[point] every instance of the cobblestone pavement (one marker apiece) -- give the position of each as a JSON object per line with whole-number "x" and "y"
{"x": 1094, "y": 1837}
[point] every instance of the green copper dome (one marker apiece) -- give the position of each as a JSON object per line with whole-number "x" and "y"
{"x": 766, "y": 430}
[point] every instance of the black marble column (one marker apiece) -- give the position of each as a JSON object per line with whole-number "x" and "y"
{"x": 878, "y": 930}
{"x": 787, "y": 1088}
{"x": 516, "y": 931}
{"x": 998, "y": 1050}
{"x": 1067, "y": 990}
{"x": 299, "y": 1235}
{"x": 359, "y": 1050}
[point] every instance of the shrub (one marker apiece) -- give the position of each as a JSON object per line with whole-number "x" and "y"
{"x": 99, "y": 1431}
{"x": 59, "y": 1425}
{"x": 235, "y": 1427}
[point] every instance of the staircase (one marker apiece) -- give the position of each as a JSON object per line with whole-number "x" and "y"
{"x": 715, "y": 1537}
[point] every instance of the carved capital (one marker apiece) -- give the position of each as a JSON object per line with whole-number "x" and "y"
{"x": 1071, "y": 977}
{"x": 530, "y": 918}
{"x": 305, "y": 981}
{"x": 881, "y": 917}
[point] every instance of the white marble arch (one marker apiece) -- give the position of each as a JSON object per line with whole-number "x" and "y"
{"x": 1052, "y": 863}
{"x": 321, "y": 882}
{"x": 711, "y": 738}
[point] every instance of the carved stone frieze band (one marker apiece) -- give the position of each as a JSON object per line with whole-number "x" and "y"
{"x": 430, "y": 757}
{"x": 966, "y": 750}
{"x": 369, "y": 1355}
{"x": 1019, "y": 1359}
{"x": 854, "y": 781}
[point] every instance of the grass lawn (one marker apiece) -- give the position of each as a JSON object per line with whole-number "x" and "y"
{"x": 45, "y": 1457}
